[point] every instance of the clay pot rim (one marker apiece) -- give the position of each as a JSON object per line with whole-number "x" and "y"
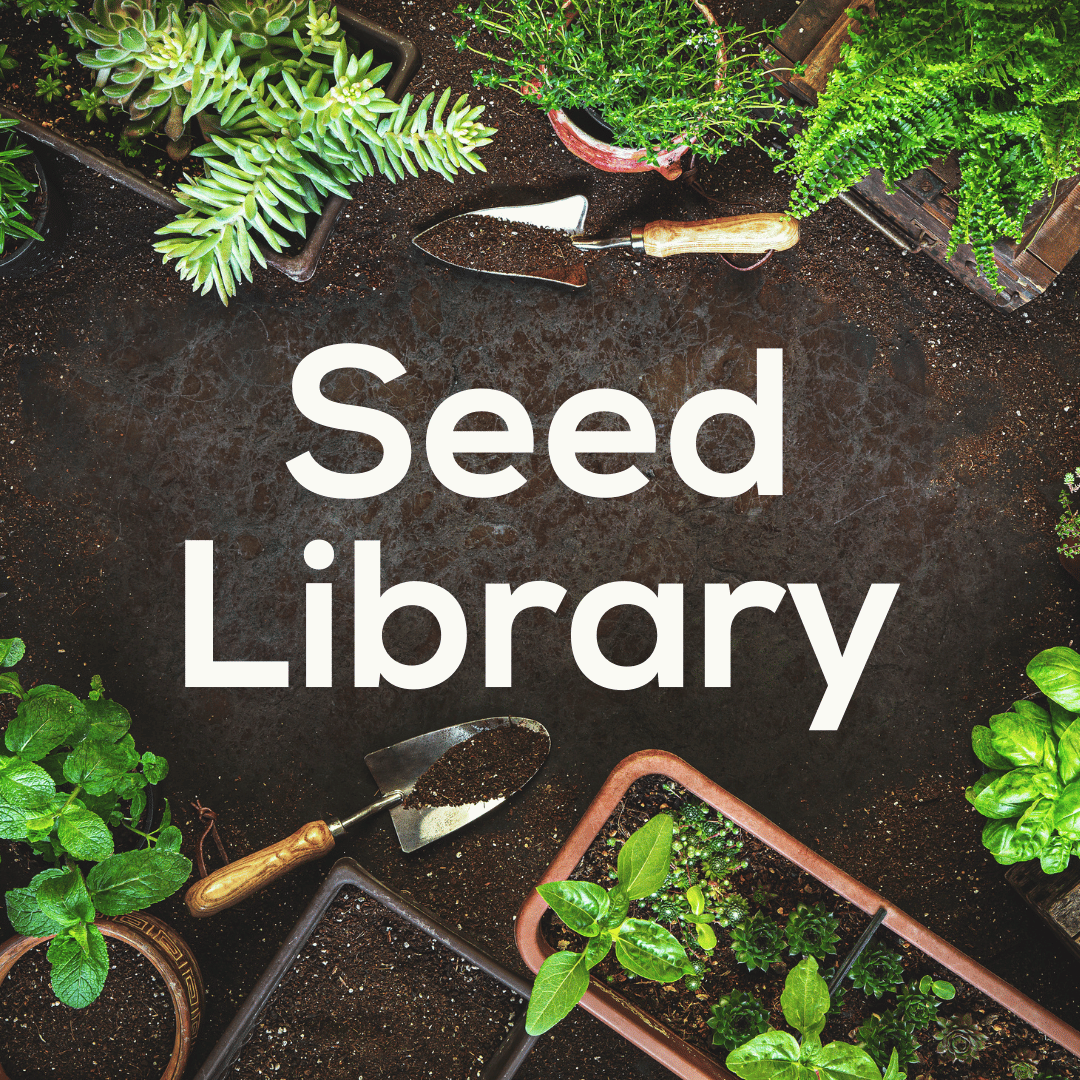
{"x": 653, "y": 1037}
{"x": 12, "y": 950}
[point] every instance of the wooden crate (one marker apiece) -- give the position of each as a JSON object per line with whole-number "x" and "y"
{"x": 1055, "y": 898}
{"x": 919, "y": 215}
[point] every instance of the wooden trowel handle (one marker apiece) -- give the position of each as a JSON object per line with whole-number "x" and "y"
{"x": 748, "y": 232}
{"x": 248, "y": 875}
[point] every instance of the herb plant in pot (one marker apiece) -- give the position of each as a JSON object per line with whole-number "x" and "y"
{"x": 70, "y": 778}
{"x": 662, "y": 73}
{"x": 1068, "y": 527}
{"x": 23, "y": 235}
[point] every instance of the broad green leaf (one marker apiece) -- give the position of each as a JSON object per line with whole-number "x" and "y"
{"x": 805, "y": 998}
{"x": 999, "y": 838}
{"x": 98, "y": 766}
{"x": 559, "y": 985}
{"x": 944, "y": 990}
{"x": 1068, "y": 752}
{"x": 25, "y": 912}
{"x": 12, "y": 650}
{"x": 892, "y": 1070}
{"x": 1012, "y": 793}
{"x": 706, "y": 937}
{"x": 77, "y": 975}
{"x": 84, "y": 834}
{"x": 597, "y": 948}
{"x": 9, "y": 684}
{"x": 1055, "y": 855}
{"x": 618, "y": 906}
{"x": 648, "y": 950}
{"x": 1037, "y": 822}
{"x": 842, "y": 1061}
{"x": 107, "y": 807}
{"x": 1067, "y": 811}
{"x": 772, "y": 1056}
{"x": 1060, "y": 718}
{"x": 53, "y": 764}
{"x": 644, "y": 858}
{"x": 154, "y": 768}
{"x": 696, "y": 899}
{"x": 108, "y": 720}
{"x": 1031, "y": 711}
{"x": 580, "y": 904}
{"x": 26, "y": 785}
{"x": 1021, "y": 740}
{"x": 981, "y": 737}
{"x": 46, "y": 717}
{"x": 984, "y": 781}
{"x": 1056, "y": 672}
{"x": 64, "y": 898}
{"x": 12, "y": 822}
{"x": 134, "y": 880}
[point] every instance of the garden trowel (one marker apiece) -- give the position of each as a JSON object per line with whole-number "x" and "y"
{"x": 396, "y": 770}
{"x": 661, "y": 239}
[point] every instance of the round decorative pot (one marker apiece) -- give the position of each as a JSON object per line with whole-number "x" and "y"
{"x": 171, "y": 957}
{"x": 32, "y": 257}
{"x": 1071, "y": 564}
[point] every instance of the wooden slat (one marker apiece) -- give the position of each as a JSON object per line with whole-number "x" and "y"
{"x": 807, "y": 26}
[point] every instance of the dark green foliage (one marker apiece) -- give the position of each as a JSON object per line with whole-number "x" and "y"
{"x": 757, "y": 942}
{"x": 736, "y": 1018}
{"x": 15, "y": 223}
{"x": 877, "y": 970}
{"x": 651, "y": 67}
{"x": 881, "y": 1035}
{"x": 918, "y": 1003}
{"x": 997, "y": 83}
{"x": 959, "y": 1039}
{"x": 811, "y": 931}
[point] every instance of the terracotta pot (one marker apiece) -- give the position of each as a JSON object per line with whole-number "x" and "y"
{"x": 653, "y": 1037}
{"x": 1071, "y": 564}
{"x": 33, "y": 257}
{"x": 169, "y": 954}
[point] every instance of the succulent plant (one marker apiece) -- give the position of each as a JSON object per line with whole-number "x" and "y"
{"x": 811, "y": 931}
{"x": 917, "y": 1003}
{"x": 736, "y": 1018}
{"x": 960, "y": 1039}
{"x": 757, "y": 942}
{"x": 877, "y": 970}
{"x": 92, "y": 103}
{"x": 881, "y": 1034}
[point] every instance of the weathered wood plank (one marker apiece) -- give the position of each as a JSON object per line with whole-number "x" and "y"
{"x": 1055, "y": 898}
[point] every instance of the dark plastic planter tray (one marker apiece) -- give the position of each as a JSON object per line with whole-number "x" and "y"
{"x": 345, "y": 872}
{"x": 653, "y": 1037}
{"x": 301, "y": 266}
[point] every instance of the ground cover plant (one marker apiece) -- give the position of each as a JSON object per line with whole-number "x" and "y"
{"x": 1032, "y": 792}
{"x": 998, "y": 84}
{"x": 910, "y": 1007}
{"x": 661, "y": 72}
{"x": 71, "y": 776}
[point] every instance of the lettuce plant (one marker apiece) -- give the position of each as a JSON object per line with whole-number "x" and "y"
{"x": 1032, "y": 792}
{"x": 72, "y": 775}
{"x": 805, "y": 1002}
{"x": 642, "y": 947}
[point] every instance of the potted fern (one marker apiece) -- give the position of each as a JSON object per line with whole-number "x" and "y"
{"x": 662, "y": 75}
{"x": 996, "y": 85}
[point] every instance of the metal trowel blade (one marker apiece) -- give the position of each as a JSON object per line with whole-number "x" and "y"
{"x": 564, "y": 215}
{"x": 401, "y": 765}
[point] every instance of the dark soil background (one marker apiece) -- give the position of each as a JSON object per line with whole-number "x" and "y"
{"x": 925, "y": 438}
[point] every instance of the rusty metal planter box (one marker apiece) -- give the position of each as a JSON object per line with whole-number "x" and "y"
{"x": 300, "y": 266}
{"x": 919, "y": 215}
{"x": 653, "y": 1037}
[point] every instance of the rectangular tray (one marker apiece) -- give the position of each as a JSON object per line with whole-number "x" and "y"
{"x": 301, "y": 266}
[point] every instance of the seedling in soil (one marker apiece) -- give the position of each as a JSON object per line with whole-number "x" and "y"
{"x": 805, "y": 1002}
{"x": 642, "y": 947}
{"x": 736, "y": 1019}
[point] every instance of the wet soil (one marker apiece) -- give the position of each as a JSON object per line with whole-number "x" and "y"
{"x": 490, "y": 765}
{"x": 774, "y": 886}
{"x": 126, "y": 1034}
{"x": 477, "y": 242}
{"x": 372, "y": 996}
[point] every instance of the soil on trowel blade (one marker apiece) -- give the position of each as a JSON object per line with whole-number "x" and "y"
{"x": 374, "y": 997}
{"x": 477, "y": 242}
{"x": 490, "y": 765}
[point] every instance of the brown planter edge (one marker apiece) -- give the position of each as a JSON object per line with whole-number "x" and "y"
{"x": 503, "y": 1064}
{"x": 171, "y": 957}
{"x": 654, "y": 1038}
{"x": 301, "y": 266}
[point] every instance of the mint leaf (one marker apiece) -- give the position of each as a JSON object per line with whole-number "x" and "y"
{"x": 12, "y": 822}
{"x": 12, "y": 650}
{"x": 78, "y": 975}
{"x": 108, "y": 720}
{"x": 9, "y": 684}
{"x": 84, "y": 834}
{"x": 169, "y": 839}
{"x": 24, "y": 784}
{"x": 560, "y": 984}
{"x": 154, "y": 768}
{"x": 47, "y": 716}
{"x": 643, "y": 859}
{"x": 136, "y": 879}
{"x": 25, "y": 912}
{"x": 64, "y": 898}
{"x": 98, "y": 766}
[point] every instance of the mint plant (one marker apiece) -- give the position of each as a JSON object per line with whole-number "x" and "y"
{"x": 1032, "y": 792}
{"x": 71, "y": 776}
{"x": 642, "y": 947}
{"x": 805, "y": 1002}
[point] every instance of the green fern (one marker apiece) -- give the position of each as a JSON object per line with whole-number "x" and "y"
{"x": 999, "y": 83}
